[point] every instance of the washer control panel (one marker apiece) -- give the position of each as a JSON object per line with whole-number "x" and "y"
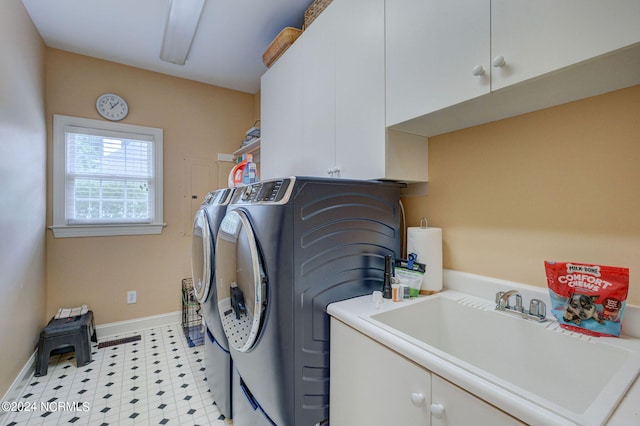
{"x": 220, "y": 197}
{"x": 269, "y": 192}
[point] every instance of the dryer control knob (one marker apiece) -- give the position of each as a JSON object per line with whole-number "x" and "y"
{"x": 248, "y": 191}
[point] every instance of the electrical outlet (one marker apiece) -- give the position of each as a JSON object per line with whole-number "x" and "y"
{"x": 131, "y": 297}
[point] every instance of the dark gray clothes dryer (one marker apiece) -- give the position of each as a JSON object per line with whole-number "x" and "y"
{"x": 285, "y": 250}
{"x": 217, "y": 358}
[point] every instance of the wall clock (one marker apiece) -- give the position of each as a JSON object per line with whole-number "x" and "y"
{"x": 112, "y": 107}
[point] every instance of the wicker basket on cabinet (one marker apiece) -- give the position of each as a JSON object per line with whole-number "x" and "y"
{"x": 280, "y": 44}
{"x": 314, "y": 10}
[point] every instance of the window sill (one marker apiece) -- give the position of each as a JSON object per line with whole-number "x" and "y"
{"x": 62, "y": 231}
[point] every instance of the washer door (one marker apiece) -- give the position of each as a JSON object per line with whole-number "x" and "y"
{"x": 240, "y": 281}
{"x": 201, "y": 250}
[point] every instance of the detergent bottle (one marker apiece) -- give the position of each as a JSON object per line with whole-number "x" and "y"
{"x": 235, "y": 177}
{"x": 250, "y": 174}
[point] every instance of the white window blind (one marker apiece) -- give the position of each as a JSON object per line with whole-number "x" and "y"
{"x": 110, "y": 176}
{"x": 109, "y": 179}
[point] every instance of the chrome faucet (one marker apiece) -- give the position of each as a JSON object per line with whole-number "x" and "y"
{"x": 537, "y": 308}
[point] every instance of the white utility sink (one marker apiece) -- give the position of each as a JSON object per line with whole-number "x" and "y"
{"x": 578, "y": 377}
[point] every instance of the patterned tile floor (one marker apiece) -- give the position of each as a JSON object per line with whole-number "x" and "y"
{"x": 156, "y": 380}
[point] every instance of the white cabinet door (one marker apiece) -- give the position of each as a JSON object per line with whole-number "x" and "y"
{"x": 451, "y": 406}
{"x": 359, "y": 88}
{"x": 372, "y": 385}
{"x": 268, "y": 125}
{"x": 289, "y": 112}
{"x": 281, "y": 116}
{"x": 269, "y": 94}
{"x": 432, "y": 49}
{"x": 537, "y": 37}
{"x": 343, "y": 91}
{"x": 318, "y": 95}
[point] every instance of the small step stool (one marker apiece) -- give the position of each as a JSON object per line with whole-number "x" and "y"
{"x": 60, "y": 334}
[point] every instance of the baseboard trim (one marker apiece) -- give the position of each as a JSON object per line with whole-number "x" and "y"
{"x": 102, "y": 331}
{"x": 138, "y": 324}
{"x": 19, "y": 383}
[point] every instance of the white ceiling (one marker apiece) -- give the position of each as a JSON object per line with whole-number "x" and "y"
{"x": 226, "y": 51}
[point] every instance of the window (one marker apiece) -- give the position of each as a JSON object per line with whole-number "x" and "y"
{"x": 107, "y": 178}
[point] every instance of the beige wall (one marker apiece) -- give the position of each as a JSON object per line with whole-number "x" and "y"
{"x": 22, "y": 189}
{"x": 558, "y": 184}
{"x": 199, "y": 121}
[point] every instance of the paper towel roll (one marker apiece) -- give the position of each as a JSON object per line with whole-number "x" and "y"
{"x": 427, "y": 244}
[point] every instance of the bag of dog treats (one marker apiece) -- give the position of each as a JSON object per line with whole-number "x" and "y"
{"x": 589, "y": 299}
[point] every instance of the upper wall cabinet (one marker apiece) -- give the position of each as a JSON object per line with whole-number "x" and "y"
{"x": 451, "y": 66}
{"x": 332, "y": 123}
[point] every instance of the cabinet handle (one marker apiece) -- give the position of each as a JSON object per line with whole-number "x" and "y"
{"x": 478, "y": 70}
{"x": 498, "y": 62}
{"x": 417, "y": 399}
{"x": 437, "y": 411}
{"x": 334, "y": 172}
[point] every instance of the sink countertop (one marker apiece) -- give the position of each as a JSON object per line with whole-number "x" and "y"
{"x": 354, "y": 311}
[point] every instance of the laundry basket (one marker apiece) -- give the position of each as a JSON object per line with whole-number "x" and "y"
{"x": 191, "y": 317}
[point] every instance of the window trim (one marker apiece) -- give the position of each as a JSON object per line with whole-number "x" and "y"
{"x": 63, "y": 230}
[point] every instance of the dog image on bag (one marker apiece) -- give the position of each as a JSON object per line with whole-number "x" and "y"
{"x": 581, "y": 308}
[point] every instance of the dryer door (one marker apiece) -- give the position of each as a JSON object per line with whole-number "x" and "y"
{"x": 240, "y": 281}
{"x": 201, "y": 250}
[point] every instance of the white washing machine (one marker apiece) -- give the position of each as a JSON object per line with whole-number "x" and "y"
{"x": 218, "y": 361}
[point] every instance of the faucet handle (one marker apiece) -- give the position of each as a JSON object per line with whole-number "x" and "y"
{"x": 538, "y": 308}
{"x": 499, "y": 296}
{"x": 518, "y": 306}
